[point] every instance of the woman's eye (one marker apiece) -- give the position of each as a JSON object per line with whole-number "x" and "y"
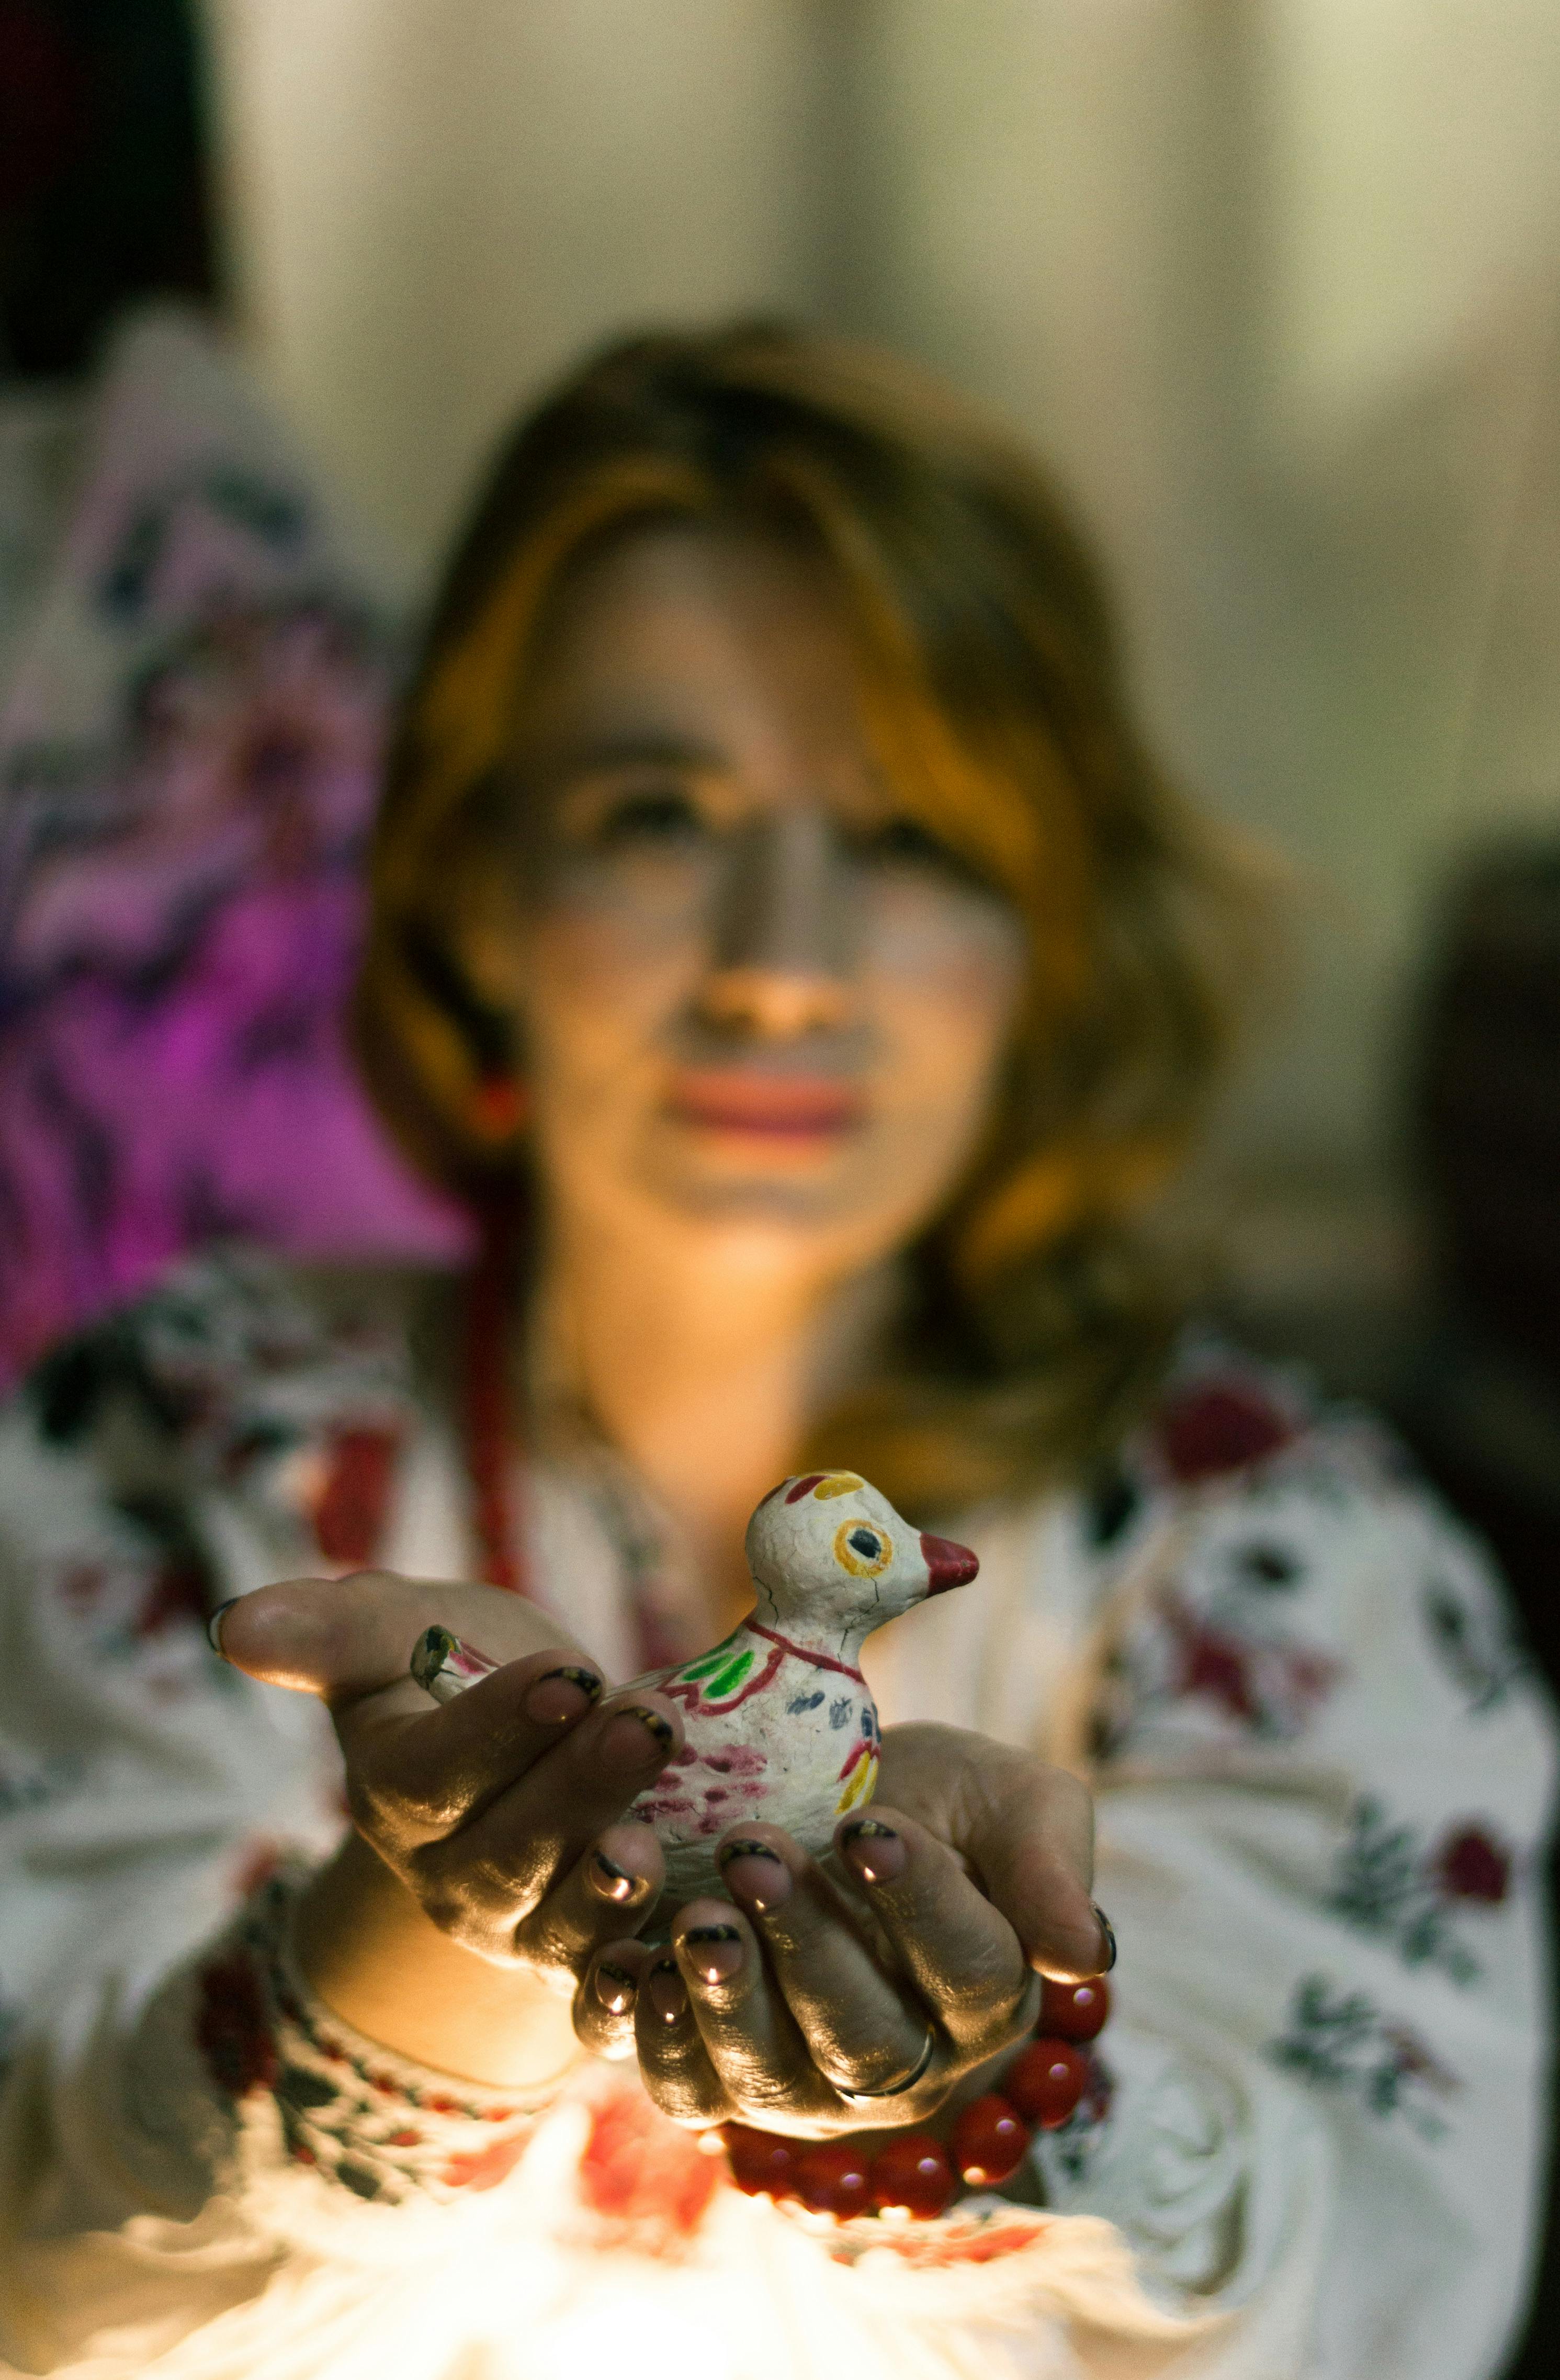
{"x": 905, "y": 843}
{"x": 659, "y": 816}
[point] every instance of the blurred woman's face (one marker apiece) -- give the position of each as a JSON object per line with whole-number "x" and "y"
{"x": 755, "y": 1002}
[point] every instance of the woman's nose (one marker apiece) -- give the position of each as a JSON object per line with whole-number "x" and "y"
{"x": 783, "y": 959}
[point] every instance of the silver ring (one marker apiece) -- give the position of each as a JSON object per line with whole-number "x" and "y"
{"x": 894, "y": 2090}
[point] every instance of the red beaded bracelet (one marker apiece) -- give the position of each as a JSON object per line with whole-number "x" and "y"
{"x": 914, "y": 2174}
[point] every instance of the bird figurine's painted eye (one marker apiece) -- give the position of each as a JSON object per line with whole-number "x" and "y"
{"x": 863, "y": 1550}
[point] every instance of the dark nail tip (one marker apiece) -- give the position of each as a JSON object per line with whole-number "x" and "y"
{"x": 617, "y": 1883}
{"x": 711, "y": 1934}
{"x": 667, "y": 1966}
{"x": 660, "y": 1728}
{"x": 587, "y": 1680}
{"x": 213, "y": 1624}
{"x": 860, "y": 1829}
{"x": 615, "y": 1988}
{"x": 1108, "y": 1930}
{"x": 730, "y": 1852}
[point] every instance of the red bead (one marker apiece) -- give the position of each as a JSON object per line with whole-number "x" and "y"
{"x": 1047, "y": 2081}
{"x": 912, "y": 2172}
{"x": 830, "y": 2178}
{"x": 761, "y": 2162}
{"x": 989, "y": 2140}
{"x": 1073, "y": 2011}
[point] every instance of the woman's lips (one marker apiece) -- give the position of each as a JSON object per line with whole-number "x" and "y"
{"x": 788, "y": 1107}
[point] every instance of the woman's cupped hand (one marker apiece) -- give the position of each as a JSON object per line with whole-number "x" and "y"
{"x": 863, "y": 1990}
{"x": 498, "y": 1811}
{"x": 820, "y": 1996}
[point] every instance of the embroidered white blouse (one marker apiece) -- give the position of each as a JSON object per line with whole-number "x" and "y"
{"x": 1313, "y": 2129}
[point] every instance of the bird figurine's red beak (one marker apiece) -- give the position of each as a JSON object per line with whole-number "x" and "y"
{"x": 949, "y": 1565}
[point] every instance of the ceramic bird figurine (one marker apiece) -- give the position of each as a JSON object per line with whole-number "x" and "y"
{"x": 779, "y": 1722}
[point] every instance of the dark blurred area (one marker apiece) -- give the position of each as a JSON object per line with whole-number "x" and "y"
{"x": 103, "y": 192}
{"x": 1481, "y": 1401}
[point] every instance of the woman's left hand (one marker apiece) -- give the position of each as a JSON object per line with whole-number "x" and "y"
{"x": 917, "y": 1963}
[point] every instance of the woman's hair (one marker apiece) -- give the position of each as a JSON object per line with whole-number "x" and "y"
{"x": 1039, "y": 1314}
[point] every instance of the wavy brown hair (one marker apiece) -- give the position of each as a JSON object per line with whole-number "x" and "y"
{"x": 1038, "y": 1311}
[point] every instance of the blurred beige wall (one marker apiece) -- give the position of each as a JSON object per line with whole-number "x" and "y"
{"x": 1274, "y": 286}
{"x": 433, "y": 204}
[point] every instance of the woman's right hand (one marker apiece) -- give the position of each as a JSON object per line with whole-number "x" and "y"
{"x": 495, "y": 1820}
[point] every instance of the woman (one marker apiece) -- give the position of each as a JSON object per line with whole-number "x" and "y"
{"x": 780, "y": 937}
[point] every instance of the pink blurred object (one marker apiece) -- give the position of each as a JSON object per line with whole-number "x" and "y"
{"x": 189, "y": 759}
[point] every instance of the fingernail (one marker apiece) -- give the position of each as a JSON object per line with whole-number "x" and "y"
{"x": 755, "y": 1874}
{"x": 214, "y": 1625}
{"x": 668, "y": 1993}
{"x": 561, "y": 1694}
{"x": 614, "y": 1883}
{"x": 615, "y": 1989}
{"x": 1108, "y": 1930}
{"x": 713, "y": 1951}
{"x": 444, "y": 1667}
{"x": 633, "y": 1737}
{"x": 873, "y": 1851}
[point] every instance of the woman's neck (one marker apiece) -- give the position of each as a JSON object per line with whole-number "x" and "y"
{"x": 706, "y": 1375}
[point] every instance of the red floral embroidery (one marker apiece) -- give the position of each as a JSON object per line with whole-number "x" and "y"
{"x": 231, "y": 2030}
{"x": 257, "y": 1860}
{"x": 1220, "y": 1426}
{"x": 1264, "y": 1683}
{"x": 1002, "y": 2240}
{"x": 1470, "y": 1865}
{"x": 933, "y": 2247}
{"x": 349, "y": 1511}
{"x": 644, "y": 2173}
{"x": 177, "y": 1594}
{"x": 80, "y": 1585}
{"x": 485, "y": 2168}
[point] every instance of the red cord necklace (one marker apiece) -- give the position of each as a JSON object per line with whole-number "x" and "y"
{"x": 491, "y": 1448}
{"x": 487, "y": 1406}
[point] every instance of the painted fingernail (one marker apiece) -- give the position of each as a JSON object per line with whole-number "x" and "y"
{"x": 668, "y": 1993}
{"x": 758, "y": 1875}
{"x": 614, "y": 1883}
{"x": 214, "y": 1625}
{"x": 873, "y": 1851}
{"x": 635, "y": 1737}
{"x": 713, "y": 1951}
{"x": 1108, "y": 1930}
{"x": 444, "y": 1667}
{"x": 615, "y": 1989}
{"x": 561, "y": 1694}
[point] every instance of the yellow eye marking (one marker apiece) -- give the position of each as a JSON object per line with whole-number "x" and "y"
{"x": 862, "y": 1565}
{"x": 837, "y": 1483}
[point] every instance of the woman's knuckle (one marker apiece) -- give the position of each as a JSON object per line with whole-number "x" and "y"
{"x": 548, "y": 1944}
{"x": 674, "y": 2094}
{"x": 370, "y": 1809}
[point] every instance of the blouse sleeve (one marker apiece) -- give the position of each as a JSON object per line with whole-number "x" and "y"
{"x": 1324, "y": 1773}
{"x": 177, "y": 2114}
